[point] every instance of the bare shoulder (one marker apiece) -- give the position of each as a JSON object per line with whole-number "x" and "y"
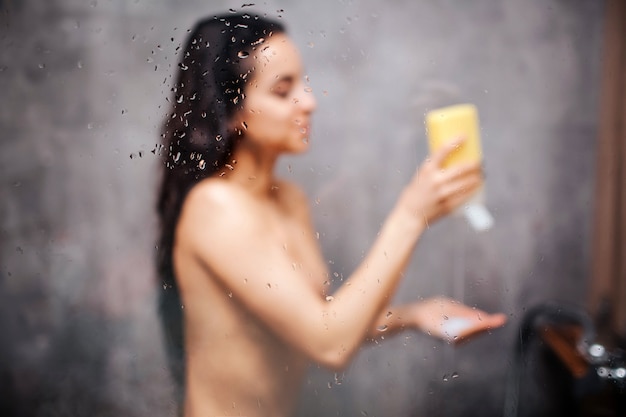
{"x": 214, "y": 194}
{"x": 218, "y": 205}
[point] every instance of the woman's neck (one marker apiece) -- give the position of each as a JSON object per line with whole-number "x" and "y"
{"x": 252, "y": 170}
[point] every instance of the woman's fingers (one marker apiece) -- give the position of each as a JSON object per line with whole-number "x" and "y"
{"x": 451, "y": 192}
{"x": 461, "y": 170}
{"x": 440, "y": 155}
{"x": 461, "y": 186}
{"x": 435, "y": 191}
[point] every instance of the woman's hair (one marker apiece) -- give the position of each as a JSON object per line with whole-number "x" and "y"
{"x": 198, "y": 137}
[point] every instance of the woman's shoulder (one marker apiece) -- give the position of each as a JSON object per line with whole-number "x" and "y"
{"x": 216, "y": 200}
{"x": 214, "y": 191}
{"x": 222, "y": 201}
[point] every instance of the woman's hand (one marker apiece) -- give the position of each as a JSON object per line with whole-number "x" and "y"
{"x": 439, "y": 317}
{"x": 451, "y": 320}
{"x": 434, "y": 191}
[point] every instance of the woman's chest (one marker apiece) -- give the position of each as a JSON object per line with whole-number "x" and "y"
{"x": 300, "y": 245}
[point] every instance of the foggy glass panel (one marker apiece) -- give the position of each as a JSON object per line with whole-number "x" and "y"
{"x": 86, "y": 87}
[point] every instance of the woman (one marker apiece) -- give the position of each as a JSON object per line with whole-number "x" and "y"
{"x": 238, "y": 254}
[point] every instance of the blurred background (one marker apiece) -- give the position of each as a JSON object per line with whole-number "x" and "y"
{"x": 84, "y": 85}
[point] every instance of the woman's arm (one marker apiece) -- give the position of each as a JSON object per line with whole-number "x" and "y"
{"x": 249, "y": 253}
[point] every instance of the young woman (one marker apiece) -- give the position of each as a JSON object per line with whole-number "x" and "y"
{"x": 240, "y": 263}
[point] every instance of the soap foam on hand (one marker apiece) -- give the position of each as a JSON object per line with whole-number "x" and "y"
{"x": 454, "y": 327}
{"x": 446, "y": 124}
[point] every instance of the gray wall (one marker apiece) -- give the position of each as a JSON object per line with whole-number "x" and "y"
{"x": 83, "y": 93}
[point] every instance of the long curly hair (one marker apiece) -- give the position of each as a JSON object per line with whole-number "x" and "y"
{"x": 198, "y": 139}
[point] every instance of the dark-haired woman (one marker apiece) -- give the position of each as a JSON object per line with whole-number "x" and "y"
{"x": 240, "y": 262}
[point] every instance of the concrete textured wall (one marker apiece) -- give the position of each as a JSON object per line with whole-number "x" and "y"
{"x": 83, "y": 93}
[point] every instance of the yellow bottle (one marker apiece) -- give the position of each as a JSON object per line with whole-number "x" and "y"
{"x": 449, "y": 123}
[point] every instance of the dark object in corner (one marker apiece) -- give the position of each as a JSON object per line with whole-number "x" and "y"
{"x": 562, "y": 369}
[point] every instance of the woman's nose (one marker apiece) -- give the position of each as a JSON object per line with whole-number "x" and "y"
{"x": 306, "y": 100}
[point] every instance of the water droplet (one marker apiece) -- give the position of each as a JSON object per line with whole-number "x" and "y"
{"x": 42, "y": 66}
{"x": 202, "y": 164}
{"x": 389, "y": 314}
{"x": 176, "y": 157}
{"x": 218, "y": 138}
{"x": 382, "y": 328}
{"x": 338, "y": 378}
{"x": 329, "y": 298}
{"x": 597, "y": 351}
{"x": 243, "y": 54}
{"x": 79, "y": 64}
{"x": 269, "y": 285}
{"x": 310, "y": 44}
{"x": 230, "y": 294}
{"x": 455, "y": 375}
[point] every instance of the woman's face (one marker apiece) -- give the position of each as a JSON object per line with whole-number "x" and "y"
{"x": 278, "y": 104}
